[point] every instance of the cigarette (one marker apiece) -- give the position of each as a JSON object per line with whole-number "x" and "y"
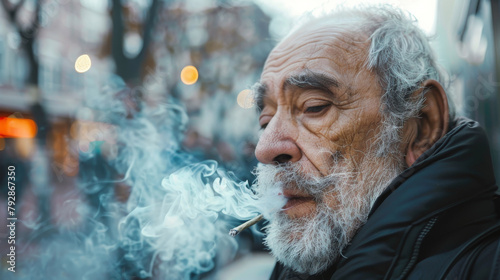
{"x": 235, "y": 231}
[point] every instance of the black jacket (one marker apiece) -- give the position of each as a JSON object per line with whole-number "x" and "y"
{"x": 439, "y": 219}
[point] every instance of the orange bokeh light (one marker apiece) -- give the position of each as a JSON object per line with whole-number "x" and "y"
{"x": 17, "y": 128}
{"x": 189, "y": 75}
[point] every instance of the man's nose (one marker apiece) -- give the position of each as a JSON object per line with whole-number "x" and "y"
{"x": 277, "y": 144}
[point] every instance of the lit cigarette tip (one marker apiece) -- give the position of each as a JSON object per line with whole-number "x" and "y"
{"x": 235, "y": 231}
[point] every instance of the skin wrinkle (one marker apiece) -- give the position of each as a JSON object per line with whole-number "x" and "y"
{"x": 275, "y": 68}
{"x": 323, "y": 135}
{"x": 298, "y": 141}
{"x": 349, "y": 136}
{"x": 278, "y": 57}
{"x": 352, "y": 136}
{"x": 260, "y": 90}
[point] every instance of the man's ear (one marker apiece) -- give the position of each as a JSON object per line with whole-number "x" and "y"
{"x": 431, "y": 124}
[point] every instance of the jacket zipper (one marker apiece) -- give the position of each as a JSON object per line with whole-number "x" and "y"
{"x": 418, "y": 244}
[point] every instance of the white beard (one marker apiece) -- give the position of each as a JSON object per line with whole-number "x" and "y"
{"x": 311, "y": 244}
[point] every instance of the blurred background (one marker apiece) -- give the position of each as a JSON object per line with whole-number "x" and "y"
{"x": 101, "y": 99}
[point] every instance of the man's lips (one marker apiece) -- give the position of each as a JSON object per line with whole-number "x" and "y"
{"x": 296, "y": 201}
{"x": 295, "y": 198}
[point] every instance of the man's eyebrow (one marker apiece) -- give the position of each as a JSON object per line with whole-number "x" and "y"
{"x": 312, "y": 80}
{"x": 306, "y": 79}
{"x": 259, "y": 93}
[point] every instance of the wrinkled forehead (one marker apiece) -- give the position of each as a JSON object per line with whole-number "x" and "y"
{"x": 340, "y": 27}
{"x": 336, "y": 37}
{"x": 334, "y": 45}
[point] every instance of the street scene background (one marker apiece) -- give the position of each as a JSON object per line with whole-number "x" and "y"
{"x": 118, "y": 115}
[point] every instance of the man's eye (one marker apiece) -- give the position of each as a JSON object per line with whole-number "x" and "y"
{"x": 316, "y": 109}
{"x": 263, "y": 126}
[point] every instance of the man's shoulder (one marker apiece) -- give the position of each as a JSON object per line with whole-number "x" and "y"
{"x": 481, "y": 263}
{"x": 479, "y": 258}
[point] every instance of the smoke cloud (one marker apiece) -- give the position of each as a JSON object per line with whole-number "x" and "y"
{"x": 174, "y": 223}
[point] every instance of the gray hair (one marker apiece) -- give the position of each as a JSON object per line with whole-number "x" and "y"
{"x": 402, "y": 58}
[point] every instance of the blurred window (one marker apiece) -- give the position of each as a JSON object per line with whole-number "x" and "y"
{"x": 50, "y": 77}
{"x": 19, "y": 72}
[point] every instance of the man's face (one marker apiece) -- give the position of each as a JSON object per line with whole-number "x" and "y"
{"x": 321, "y": 125}
{"x": 320, "y": 107}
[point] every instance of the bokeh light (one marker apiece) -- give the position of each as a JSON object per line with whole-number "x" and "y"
{"x": 24, "y": 147}
{"x": 189, "y": 75}
{"x": 17, "y": 128}
{"x": 245, "y": 99}
{"x": 83, "y": 63}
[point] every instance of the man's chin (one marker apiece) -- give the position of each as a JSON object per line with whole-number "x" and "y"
{"x": 305, "y": 244}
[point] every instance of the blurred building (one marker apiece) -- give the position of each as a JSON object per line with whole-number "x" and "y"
{"x": 468, "y": 46}
{"x": 67, "y": 168}
{"x": 227, "y": 44}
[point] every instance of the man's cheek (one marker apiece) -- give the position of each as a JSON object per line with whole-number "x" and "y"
{"x": 353, "y": 144}
{"x": 331, "y": 200}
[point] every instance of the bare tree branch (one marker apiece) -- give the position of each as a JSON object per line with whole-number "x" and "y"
{"x": 27, "y": 34}
{"x": 130, "y": 68}
{"x": 118, "y": 31}
{"x": 148, "y": 26}
{"x": 35, "y": 25}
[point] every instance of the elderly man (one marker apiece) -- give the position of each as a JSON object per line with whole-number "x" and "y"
{"x": 381, "y": 181}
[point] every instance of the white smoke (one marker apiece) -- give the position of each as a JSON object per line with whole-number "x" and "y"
{"x": 175, "y": 222}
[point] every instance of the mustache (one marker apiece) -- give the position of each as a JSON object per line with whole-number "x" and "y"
{"x": 292, "y": 176}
